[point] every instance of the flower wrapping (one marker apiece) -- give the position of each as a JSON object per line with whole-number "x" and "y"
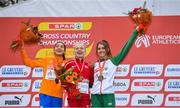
{"x": 28, "y": 34}
{"x": 141, "y": 16}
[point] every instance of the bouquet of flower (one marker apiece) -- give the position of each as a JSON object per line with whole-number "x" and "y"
{"x": 70, "y": 80}
{"x": 28, "y": 34}
{"x": 69, "y": 76}
{"x": 141, "y": 16}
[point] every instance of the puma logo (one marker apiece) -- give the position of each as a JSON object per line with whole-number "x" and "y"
{"x": 153, "y": 98}
{"x": 20, "y": 99}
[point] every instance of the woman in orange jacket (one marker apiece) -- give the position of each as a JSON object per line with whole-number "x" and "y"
{"x": 51, "y": 91}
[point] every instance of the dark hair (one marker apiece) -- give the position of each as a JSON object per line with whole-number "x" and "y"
{"x": 106, "y": 46}
{"x": 63, "y": 55}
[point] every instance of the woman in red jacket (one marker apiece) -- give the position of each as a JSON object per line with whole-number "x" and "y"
{"x": 85, "y": 76}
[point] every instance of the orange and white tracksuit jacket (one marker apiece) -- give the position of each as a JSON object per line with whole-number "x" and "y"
{"x": 48, "y": 85}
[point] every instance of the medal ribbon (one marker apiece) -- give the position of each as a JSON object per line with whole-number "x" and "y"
{"x": 82, "y": 67}
{"x": 101, "y": 71}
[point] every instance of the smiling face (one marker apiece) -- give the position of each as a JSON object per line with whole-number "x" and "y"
{"x": 59, "y": 49}
{"x": 79, "y": 50}
{"x": 103, "y": 50}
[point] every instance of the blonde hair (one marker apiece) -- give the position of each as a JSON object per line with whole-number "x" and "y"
{"x": 80, "y": 43}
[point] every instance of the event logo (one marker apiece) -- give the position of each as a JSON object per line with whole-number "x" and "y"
{"x": 147, "y": 99}
{"x": 15, "y": 71}
{"x": 37, "y": 72}
{"x": 122, "y": 99}
{"x": 147, "y": 70}
{"x": 48, "y": 52}
{"x": 148, "y": 40}
{"x": 147, "y": 85}
{"x": 172, "y": 85}
{"x": 168, "y": 39}
{"x": 172, "y": 100}
{"x": 36, "y": 85}
{"x": 121, "y": 84}
{"x": 15, "y": 100}
{"x": 142, "y": 40}
{"x": 172, "y": 70}
{"x": 122, "y": 70}
{"x": 68, "y": 33}
{"x": 15, "y": 85}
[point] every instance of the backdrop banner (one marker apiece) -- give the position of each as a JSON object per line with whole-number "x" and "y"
{"x": 149, "y": 76}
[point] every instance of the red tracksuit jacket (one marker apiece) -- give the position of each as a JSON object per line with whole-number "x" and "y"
{"x": 85, "y": 71}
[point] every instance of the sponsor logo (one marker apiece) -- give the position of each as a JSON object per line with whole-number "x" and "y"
{"x": 15, "y": 100}
{"x": 147, "y": 85}
{"x": 172, "y": 100}
{"x": 142, "y": 40}
{"x": 121, "y": 84}
{"x": 172, "y": 85}
{"x": 15, "y": 85}
{"x": 147, "y": 99}
{"x": 122, "y": 70}
{"x": 15, "y": 71}
{"x": 12, "y": 84}
{"x": 35, "y": 100}
{"x": 64, "y": 26}
{"x": 37, "y": 72}
{"x": 122, "y": 99}
{"x": 36, "y": 85}
{"x": 172, "y": 70}
{"x": 147, "y": 70}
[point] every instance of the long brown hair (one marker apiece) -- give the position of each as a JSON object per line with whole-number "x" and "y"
{"x": 63, "y": 55}
{"x": 106, "y": 46}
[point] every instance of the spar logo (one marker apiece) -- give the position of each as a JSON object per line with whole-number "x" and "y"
{"x": 64, "y": 26}
{"x": 122, "y": 70}
{"x": 147, "y": 99}
{"x": 15, "y": 100}
{"x": 172, "y": 100}
{"x": 15, "y": 71}
{"x": 121, "y": 84}
{"x": 147, "y": 70}
{"x": 147, "y": 85}
{"x": 142, "y": 40}
{"x": 12, "y": 84}
{"x": 172, "y": 70}
{"x": 15, "y": 85}
{"x": 172, "y": 85}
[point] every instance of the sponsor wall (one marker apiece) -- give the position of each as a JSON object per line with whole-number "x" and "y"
{"x": 148, "y": 76}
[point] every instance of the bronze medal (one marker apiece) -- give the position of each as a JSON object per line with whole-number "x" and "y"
{"x": 100, "y": 77}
